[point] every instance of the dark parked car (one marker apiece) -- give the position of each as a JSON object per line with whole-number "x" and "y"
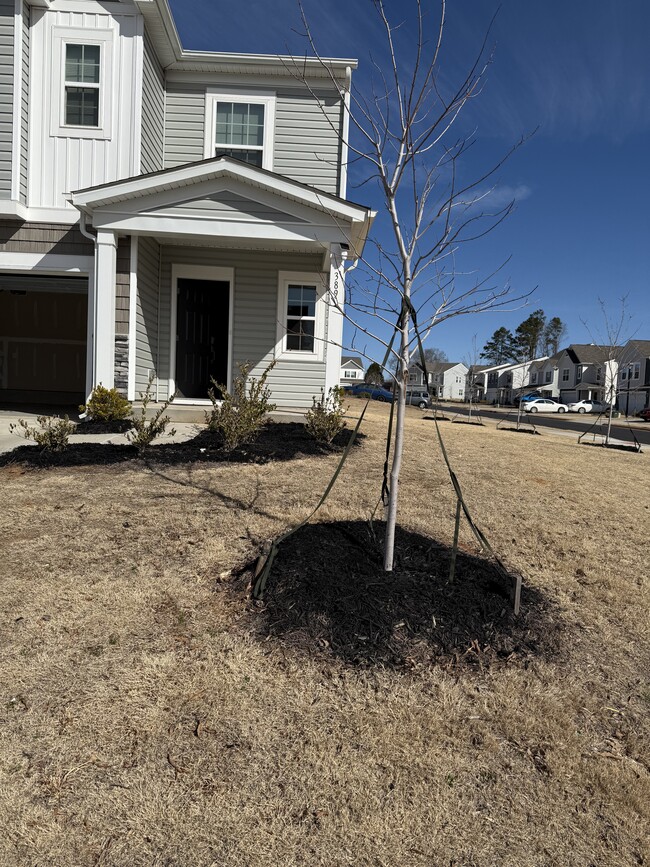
{"x": 373, "y": 391}
{"x": 644, "y": 414}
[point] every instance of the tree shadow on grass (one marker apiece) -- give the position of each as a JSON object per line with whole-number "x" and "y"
{"x": 328, "y": 591}
{"x": 278, "y": 441}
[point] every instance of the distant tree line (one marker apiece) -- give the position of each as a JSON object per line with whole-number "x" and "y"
{"x": 533, "y": 337}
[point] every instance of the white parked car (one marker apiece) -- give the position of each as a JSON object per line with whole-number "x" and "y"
{"x": 544, "y": 404}
{"x": 588, "y": 406}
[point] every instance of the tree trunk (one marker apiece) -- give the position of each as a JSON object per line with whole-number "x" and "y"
{"x": 391, "y": 509}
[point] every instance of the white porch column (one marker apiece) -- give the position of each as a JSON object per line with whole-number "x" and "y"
{"x": 104, "y": 338}
{"x": 335, "y": 304}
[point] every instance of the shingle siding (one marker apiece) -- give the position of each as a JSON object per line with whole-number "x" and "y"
{"x": 18, "y": 237}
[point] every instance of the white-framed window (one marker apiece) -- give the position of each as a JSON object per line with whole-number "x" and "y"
{"x": 565, "y": 374}
{"x": 549, "y": 376}
{"x": 533, "y": 378}
{"x": 350, "y": 374}
{"x": 81, "y": 83}
{"x": 636, "y": 370}
{"x": 579, "y": 373}
{"x": 241, "y": 125}
{"x": 301, "y": 315}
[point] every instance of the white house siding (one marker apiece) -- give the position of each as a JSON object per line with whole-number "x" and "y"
{"x": 146, "y": 314}
{"x": 306, "y": 144}
{"x": 153, "y": 110}
{"x": 60, "y": 164}
{"x": 6, "y": 94}
{"x": 293, "y": 382}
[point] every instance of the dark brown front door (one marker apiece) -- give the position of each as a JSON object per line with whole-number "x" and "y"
{"x": 201, "y": 335}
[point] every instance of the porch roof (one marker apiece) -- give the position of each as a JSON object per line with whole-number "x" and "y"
{"x": 223, "y": 200}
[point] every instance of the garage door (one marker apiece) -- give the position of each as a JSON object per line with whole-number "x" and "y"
{"x": 43, "y": 339}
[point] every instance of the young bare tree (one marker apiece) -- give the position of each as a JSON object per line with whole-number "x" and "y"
{"x": 406, "y": 136}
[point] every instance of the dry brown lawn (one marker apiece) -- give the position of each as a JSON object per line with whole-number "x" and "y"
{"x": 148, "y": 719}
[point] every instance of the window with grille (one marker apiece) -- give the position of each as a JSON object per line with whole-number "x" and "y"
{"x": 82, "y": 85}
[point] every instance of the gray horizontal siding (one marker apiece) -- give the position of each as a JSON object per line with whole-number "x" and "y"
{"x": 153, "y": 110}
{"x": 24, "y": 123}
{"x": 146, "y": 313}
{"x": 307, "y": 145}
{"x": 227, "y": 205}
{"x": 6, "y": 94}
{"x": 293, "y": 382}
{"x": 184, "y": 124}
{"x": 17, "y": 237}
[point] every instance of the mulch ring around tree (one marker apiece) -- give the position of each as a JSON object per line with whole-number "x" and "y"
{"x": 278, "y": 441}
{"x": 328, "y": 594}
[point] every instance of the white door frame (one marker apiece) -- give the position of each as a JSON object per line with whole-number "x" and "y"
{"x": 199, "y": 272}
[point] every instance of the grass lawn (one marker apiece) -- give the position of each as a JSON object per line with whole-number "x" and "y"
{"x": 152, "y": 715}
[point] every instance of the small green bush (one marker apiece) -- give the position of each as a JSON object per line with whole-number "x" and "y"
{"x": 239, "y": 417}
{"x": 106, "y": 404}
{"x": 325, "y": 419}
{"x": 145, "y": 430}
{"x": 51, "y": 435}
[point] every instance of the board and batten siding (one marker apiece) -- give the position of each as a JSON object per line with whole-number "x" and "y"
{"x": 153, "y": 110}
{"x": 6, "y": 94}
{"x": 24, "y": 108}
{"x": 293, "y": 381}
{"x": 146, "y": 313}
{"x": 61, "y": 162}
{"x": 307, "y": 147}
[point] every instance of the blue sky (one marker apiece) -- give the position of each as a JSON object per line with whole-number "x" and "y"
{"x": 578, "y": 70}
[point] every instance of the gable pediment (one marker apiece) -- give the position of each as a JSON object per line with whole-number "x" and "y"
{"x": 226, "y": 205}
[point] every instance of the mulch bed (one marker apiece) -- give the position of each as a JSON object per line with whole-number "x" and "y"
{"x": 278, "y": 441}
{"x": 328, "y": 594}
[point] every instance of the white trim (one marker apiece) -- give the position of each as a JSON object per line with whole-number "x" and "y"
{"x": 138, "y": 91}
{"x": 65, "y": 216}
{"x": 18, "y": 102}
{"x": 318, "y": 279}
{"x": 92, "y": 7}
{"x": 11, "y": 208}
{"x": 62, "y": 36}
{"x": 198, "y": 272}
{"x": 228, "y": 94}
{"x": 133, "y": 323}
{"x": 104, "y": 313}
{"x": 51, "y": 263}
{"x": 345, "y": 134}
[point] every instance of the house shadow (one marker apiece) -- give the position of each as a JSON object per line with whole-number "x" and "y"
{"x": 328, "y": 593}
{"x": 278, "y": 441}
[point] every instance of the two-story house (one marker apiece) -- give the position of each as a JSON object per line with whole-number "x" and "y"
{"x": 352, "y": 372}
{"x": 447, "y": 379}
{"x": 166, "y": 213}
{"x": 634, "y": 377}
{"x": 506, "y": 383}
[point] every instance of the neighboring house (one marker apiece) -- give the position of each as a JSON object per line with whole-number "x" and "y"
{"x": 166, "y": 213}
{"x": 506, "y": 383}
{"x": 351, "y": 370}
{"x": 634, "y": 377}
{"x": 475, "y": 382}
{"x": 447, "y": 380}
{"x": 582, "y": 371}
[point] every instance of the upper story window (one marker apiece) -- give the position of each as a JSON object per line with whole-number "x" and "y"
{"x": 301, "y": 316}
{"x": 82, "y": 74}
{"x": 579, "y": 373}
{"x": 81, "y": 83}
{"x": 533, "y": 377}
{"x": 241, "y": 126}
{"x": 565, "y": 374}
{"x": 548, "y": 376}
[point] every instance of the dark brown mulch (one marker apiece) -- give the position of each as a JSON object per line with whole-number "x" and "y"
{"x": 328, "y": 593}
{"x": 94, "y": 426}
{"x": 278, "y": 441}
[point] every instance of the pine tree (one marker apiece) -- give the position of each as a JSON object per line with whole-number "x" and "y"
{"x": 529, "y": 336}
{"x": 553, "y": 333}
{"x": 500, "y": 348}
{"x": 374, "y": 374}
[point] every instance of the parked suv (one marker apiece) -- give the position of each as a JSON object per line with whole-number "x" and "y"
{"x": 418, "y": 397}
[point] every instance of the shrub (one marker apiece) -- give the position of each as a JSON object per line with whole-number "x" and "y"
{"x": 145, "y": 430}
{"x": 106, "y": 404}
{"x": 51, "y": 435}
{"x": 239, "y": 417}
{"x": 325, "y": 419}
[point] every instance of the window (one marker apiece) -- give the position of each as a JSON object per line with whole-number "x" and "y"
{"x": 301, "y": 317}
{"x": 81, "y": 77}
{"x": 549, "y": 376}
{"x": 624, "y": 374}
{"x": 533, "y": 378}
{"x": 350, "y": 374}
{"x": 81, "y": 83}
{"x": 599, "y": 371}
{"x": 636, "y": 370}
{"x": 579, "y": 373}
{"x": 565, "y": 374}
{"x": 241, "y": 126}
